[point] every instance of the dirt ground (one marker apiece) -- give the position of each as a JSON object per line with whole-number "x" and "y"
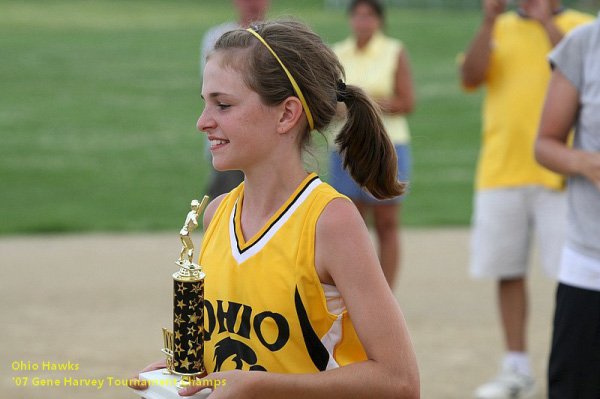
{"x": 99, "y": 302}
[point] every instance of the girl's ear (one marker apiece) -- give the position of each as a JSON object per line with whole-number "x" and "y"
{"x": 290, "y": 113}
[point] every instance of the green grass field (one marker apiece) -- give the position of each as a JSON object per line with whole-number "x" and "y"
{"x": 100, "y": 99}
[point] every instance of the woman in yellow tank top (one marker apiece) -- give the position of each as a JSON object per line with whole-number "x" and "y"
{"x": 379, "y": 65}
{"x": 279, "y": 247}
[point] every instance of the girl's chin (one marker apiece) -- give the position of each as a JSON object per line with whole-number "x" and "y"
{"x": 221, "y": 167}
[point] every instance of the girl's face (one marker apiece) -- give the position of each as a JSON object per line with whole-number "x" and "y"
{"x": 364, "y": 21}
{"x": 241, "y": 129}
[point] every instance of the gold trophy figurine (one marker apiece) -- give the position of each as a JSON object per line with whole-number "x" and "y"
{"x": 191, "y": 223}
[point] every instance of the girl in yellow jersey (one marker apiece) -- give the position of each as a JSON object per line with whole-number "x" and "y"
{"x": 293, "y": 285}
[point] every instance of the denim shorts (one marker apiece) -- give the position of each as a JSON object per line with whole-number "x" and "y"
{"x": 343, "y": 183}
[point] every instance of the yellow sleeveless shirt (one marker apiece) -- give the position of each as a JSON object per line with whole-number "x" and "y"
{"x": 264, "y": 304}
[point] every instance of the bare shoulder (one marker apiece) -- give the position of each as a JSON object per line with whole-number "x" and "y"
{"x": 338, "y": 215}
{"x": 211, "y": 209}
{"x": 342, "y": 242}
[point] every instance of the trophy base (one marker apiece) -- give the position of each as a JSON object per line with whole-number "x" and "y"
{"x": 164, "y": 386}
{"x": 188, "y": 265}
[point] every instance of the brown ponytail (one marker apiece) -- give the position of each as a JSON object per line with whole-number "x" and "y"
{"x": 365, "y": 147}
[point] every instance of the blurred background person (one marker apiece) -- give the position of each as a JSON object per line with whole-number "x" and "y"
{"x": 573, "y": 100}
{"x": 514, "y": 195}
{"x": 249, "y": 11}
{"x": 380, "y": 66}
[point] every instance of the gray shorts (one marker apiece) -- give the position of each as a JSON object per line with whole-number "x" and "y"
{"x": 504, "y": 221}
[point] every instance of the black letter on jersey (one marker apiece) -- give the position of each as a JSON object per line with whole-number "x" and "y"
{"x": 282, "y": 327}
{"x": 209, "y": 312}
{"x": 230, "y": 316}
{"x": 227, "y": 319}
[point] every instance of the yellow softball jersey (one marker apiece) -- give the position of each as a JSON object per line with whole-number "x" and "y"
{"x": 264, "y": 304}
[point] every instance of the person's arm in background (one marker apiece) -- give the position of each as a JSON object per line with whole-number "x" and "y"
{"x": 558, "y": 116}
{"x": 477, "y": 59}
{"x": 404, "y": 98}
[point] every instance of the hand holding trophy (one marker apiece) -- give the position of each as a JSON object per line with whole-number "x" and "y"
{"x": 184, "y": 346}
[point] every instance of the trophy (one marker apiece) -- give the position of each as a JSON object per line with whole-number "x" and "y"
{"x": 184, "y": 346}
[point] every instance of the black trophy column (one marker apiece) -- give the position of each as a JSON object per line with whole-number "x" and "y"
{"x": 188, "y": 326}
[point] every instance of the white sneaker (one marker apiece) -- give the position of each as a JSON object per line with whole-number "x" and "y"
{"x": 507, "y": 385}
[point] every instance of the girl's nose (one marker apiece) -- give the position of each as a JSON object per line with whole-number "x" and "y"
{"x": 205, "y": 122}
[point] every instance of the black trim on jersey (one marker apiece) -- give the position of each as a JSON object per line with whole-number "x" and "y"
{"x": 237, "y": 243}
{"x": 316, "y": 350}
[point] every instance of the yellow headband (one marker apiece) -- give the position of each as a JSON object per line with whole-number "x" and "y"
{"x": 290, "y": 77}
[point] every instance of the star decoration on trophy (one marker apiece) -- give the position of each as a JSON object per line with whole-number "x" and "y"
{"x": 178, "y": 349}
{"x": 181, "y": 288}
{"x": 192, "y": 331}
{"x": 194, "y": 318}
{"x": 193, "y": 348}
{"x": 185, "y": 363}
{"x": 196, "y": 288}
{"x": 178, "y": 320}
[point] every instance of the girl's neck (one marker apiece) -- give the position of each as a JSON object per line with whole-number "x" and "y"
{"x": 362, "y": 42}
{"x": 264, "y": 194}
{"x": 269, "y": 182}
{"x": 266, "y": 189}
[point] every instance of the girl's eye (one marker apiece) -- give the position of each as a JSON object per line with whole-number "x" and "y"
{"x": 223, "y": 106}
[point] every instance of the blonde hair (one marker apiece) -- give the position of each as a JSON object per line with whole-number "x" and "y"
{"x": 365, "y": 147}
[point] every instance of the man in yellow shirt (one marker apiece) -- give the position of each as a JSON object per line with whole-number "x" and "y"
{"x": 514, "y": 195}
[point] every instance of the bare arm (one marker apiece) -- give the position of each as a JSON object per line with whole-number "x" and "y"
{"x": 477, "y": 59}
{"x": 403, "y": 100}
{"x": 344, "y": 254}
{"x": 554, "y": 34}
{"x": 558, "y": 116}
{"x": 541, "y": 11}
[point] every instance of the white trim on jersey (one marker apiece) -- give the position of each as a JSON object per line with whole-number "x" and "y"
{"x": 331, "y": 339}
